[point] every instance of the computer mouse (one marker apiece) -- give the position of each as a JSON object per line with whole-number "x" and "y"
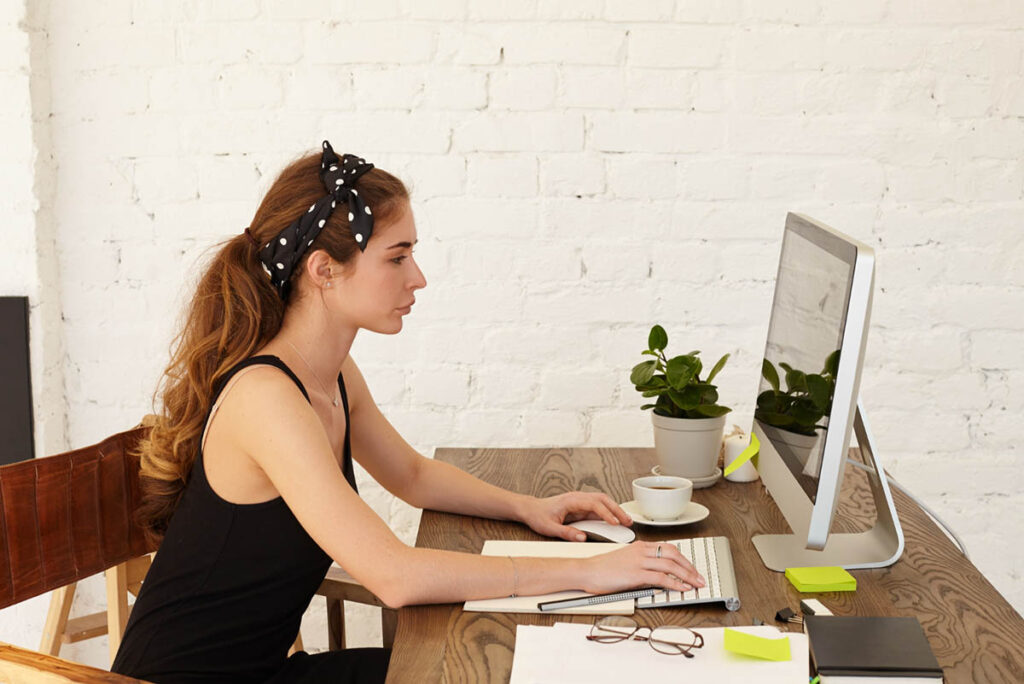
{"x": 599, "y": 530}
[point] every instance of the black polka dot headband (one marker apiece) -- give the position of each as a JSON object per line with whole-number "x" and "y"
{"x": 339, "y": 176}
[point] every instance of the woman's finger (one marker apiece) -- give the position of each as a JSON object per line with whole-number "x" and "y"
{"x": 665, "y": 581}
{"x": 616, "y": 510}
{"x": 669, "y": 567}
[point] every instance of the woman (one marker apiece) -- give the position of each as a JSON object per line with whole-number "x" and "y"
{"x": 248, "y": 475}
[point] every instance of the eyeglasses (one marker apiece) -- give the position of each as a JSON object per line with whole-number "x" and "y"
{"x": 667, "y": 639}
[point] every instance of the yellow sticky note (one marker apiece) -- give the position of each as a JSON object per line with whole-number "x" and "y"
{"x": 821, "y": 579}
{"x": 756, "y": 646}
{"x": 752, "y": 449}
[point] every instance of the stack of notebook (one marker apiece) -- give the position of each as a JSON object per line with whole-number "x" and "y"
{"x": 852, "y": 650}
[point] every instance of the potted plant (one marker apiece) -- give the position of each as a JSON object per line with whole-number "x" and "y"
{"x": 797, "y": 409}
{"x": 687, "y": 417}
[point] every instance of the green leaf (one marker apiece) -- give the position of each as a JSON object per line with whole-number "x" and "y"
{"x": 647, "y": 406}
{"x": 657, "y": 339}
{"x": 694, "y": 353}
{"x": 768, "y": 400}
{"x": 708, "y": 394}
{"x": 686, "y": 399}
{"x": 820, "y": 390}
{"x": 650, "y": 353}
{"x": 712, "y": 410}
{"x": 832, "y": 364}
{"x": 785, "y": 366}
{"x": 642, "y": 373}
{"x": 718, "y": 367}
{"x": 770, "y": 374}
{"x": 681, "y": 370}
{"x": 776, "y": 419}
{"x": 796, "y": 380}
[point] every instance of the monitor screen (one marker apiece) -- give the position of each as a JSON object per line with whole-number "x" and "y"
{"x": 805, "y": 334}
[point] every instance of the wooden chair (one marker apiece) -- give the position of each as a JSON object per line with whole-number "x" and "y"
{"x": 66, "y": 517}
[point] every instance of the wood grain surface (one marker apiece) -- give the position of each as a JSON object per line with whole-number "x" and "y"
{"x": 975, "y": 634}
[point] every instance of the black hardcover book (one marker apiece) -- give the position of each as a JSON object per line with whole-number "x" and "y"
{"x": 870, "y": 646}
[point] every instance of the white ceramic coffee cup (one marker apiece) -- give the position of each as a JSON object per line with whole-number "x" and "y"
{"x": 662, "y": 497}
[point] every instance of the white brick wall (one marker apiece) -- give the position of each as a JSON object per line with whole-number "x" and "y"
{"x": 580, "y": 170}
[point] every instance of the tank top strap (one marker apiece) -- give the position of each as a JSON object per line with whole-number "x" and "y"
{"x": 265, "y": 359}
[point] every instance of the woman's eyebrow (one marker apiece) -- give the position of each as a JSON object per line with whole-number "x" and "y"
{"x": 403, "y": 244}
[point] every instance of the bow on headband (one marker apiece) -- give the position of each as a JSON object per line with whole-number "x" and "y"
{"x": 339, "y": 176}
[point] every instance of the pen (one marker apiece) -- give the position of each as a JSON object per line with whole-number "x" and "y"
{"x": 562, "y": 604}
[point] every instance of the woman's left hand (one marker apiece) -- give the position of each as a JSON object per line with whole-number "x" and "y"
{"x": 549, "y": 516}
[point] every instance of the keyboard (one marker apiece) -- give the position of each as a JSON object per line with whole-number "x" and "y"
{"x": 712, "y": 558}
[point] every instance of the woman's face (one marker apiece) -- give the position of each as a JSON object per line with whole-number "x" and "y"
{"x": 378, "y": 287}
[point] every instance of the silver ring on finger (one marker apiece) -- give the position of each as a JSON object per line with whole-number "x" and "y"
{"x": 657, "y": 554}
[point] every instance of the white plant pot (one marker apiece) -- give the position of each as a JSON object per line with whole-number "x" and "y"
{"x": 804, "y": 447}
{"x": 687, "y": 447}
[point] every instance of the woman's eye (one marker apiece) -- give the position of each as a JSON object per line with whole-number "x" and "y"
{"x": 397, "y": 260}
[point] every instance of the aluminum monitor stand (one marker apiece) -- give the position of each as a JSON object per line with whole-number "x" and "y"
{"x": 878, "y": 547}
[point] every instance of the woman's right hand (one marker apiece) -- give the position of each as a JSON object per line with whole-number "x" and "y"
{"x": 638, "y": 565}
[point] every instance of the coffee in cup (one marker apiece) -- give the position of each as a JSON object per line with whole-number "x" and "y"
{"x": 662, "y": 497}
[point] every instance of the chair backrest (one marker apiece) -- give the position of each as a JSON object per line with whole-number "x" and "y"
{"x": 69, "y": 516}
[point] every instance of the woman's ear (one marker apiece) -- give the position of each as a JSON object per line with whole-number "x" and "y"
{"x": 321, "y": 268}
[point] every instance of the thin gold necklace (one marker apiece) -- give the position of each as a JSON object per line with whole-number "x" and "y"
{"x": 316, "y": 377}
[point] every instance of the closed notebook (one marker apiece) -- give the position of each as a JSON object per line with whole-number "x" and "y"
{"x": 870, "y": 646}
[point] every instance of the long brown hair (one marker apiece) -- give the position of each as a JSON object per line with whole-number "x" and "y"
{"x": 234, "y": 312}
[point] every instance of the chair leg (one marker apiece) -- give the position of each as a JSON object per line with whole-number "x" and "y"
{"x": 388, "y": 626}
{"x": 335, "y": 624}
{"x": 117, "y": 606}
{"x": 57, "y": 619}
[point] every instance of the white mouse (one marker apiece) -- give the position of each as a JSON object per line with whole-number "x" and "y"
{"x": 599, "y": 530}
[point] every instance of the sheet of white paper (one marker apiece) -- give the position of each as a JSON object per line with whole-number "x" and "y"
{"x": 546, "y": 549}
{"x": 561, "y": 654}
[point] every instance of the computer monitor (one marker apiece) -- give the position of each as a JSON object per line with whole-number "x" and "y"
{"x": 807, "y": 402}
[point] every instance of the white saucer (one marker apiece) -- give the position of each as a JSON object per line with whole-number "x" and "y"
{"x": 698, "y": 482}
{"x": 694, "y": 513}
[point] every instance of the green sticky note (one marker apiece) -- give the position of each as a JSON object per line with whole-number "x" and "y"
{"x": 821, "y": 579}
{"x": 756, "y": 646}
{"x": 750, "y": 452}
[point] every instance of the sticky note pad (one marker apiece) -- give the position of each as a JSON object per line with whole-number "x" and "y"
{"x": 756, "y": 646}
{"x": 821, "y": 579}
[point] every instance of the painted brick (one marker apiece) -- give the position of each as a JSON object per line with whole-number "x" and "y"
{"x": 523, "y": 88}
{"x": 615, "y": 262}
{"x": 570, "y": 44}
{"x": 504, "y": 385}
{"x": 445, "y": 388}
{"x": 661, "y": 88}
{"x": 540, "y": 132}
{"x": 576, "y": 390}
{"x": 455, "y": 88}
{"x": 372, "y": 43}
{"x": 571, "y": 174}
{"x": 679, "y": 46}
{"x": 630, "y": 10}
{"x": 550, "y": 428}
{"x": 591, "y": 87}
{"x": 780, "y": 48}
{"x": 996, "y": 349}
{"x": 465, "y": 44}
{"x": 505, "y": 176}
{"x": 660, "y": 133}
{"x": 641, "y": 177}
{"x": 703, "y": 12}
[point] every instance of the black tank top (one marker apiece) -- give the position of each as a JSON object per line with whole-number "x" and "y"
{"x": 224, "y": 597}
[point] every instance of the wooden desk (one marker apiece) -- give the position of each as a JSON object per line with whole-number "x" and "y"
{"x": 975, "y": 634}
